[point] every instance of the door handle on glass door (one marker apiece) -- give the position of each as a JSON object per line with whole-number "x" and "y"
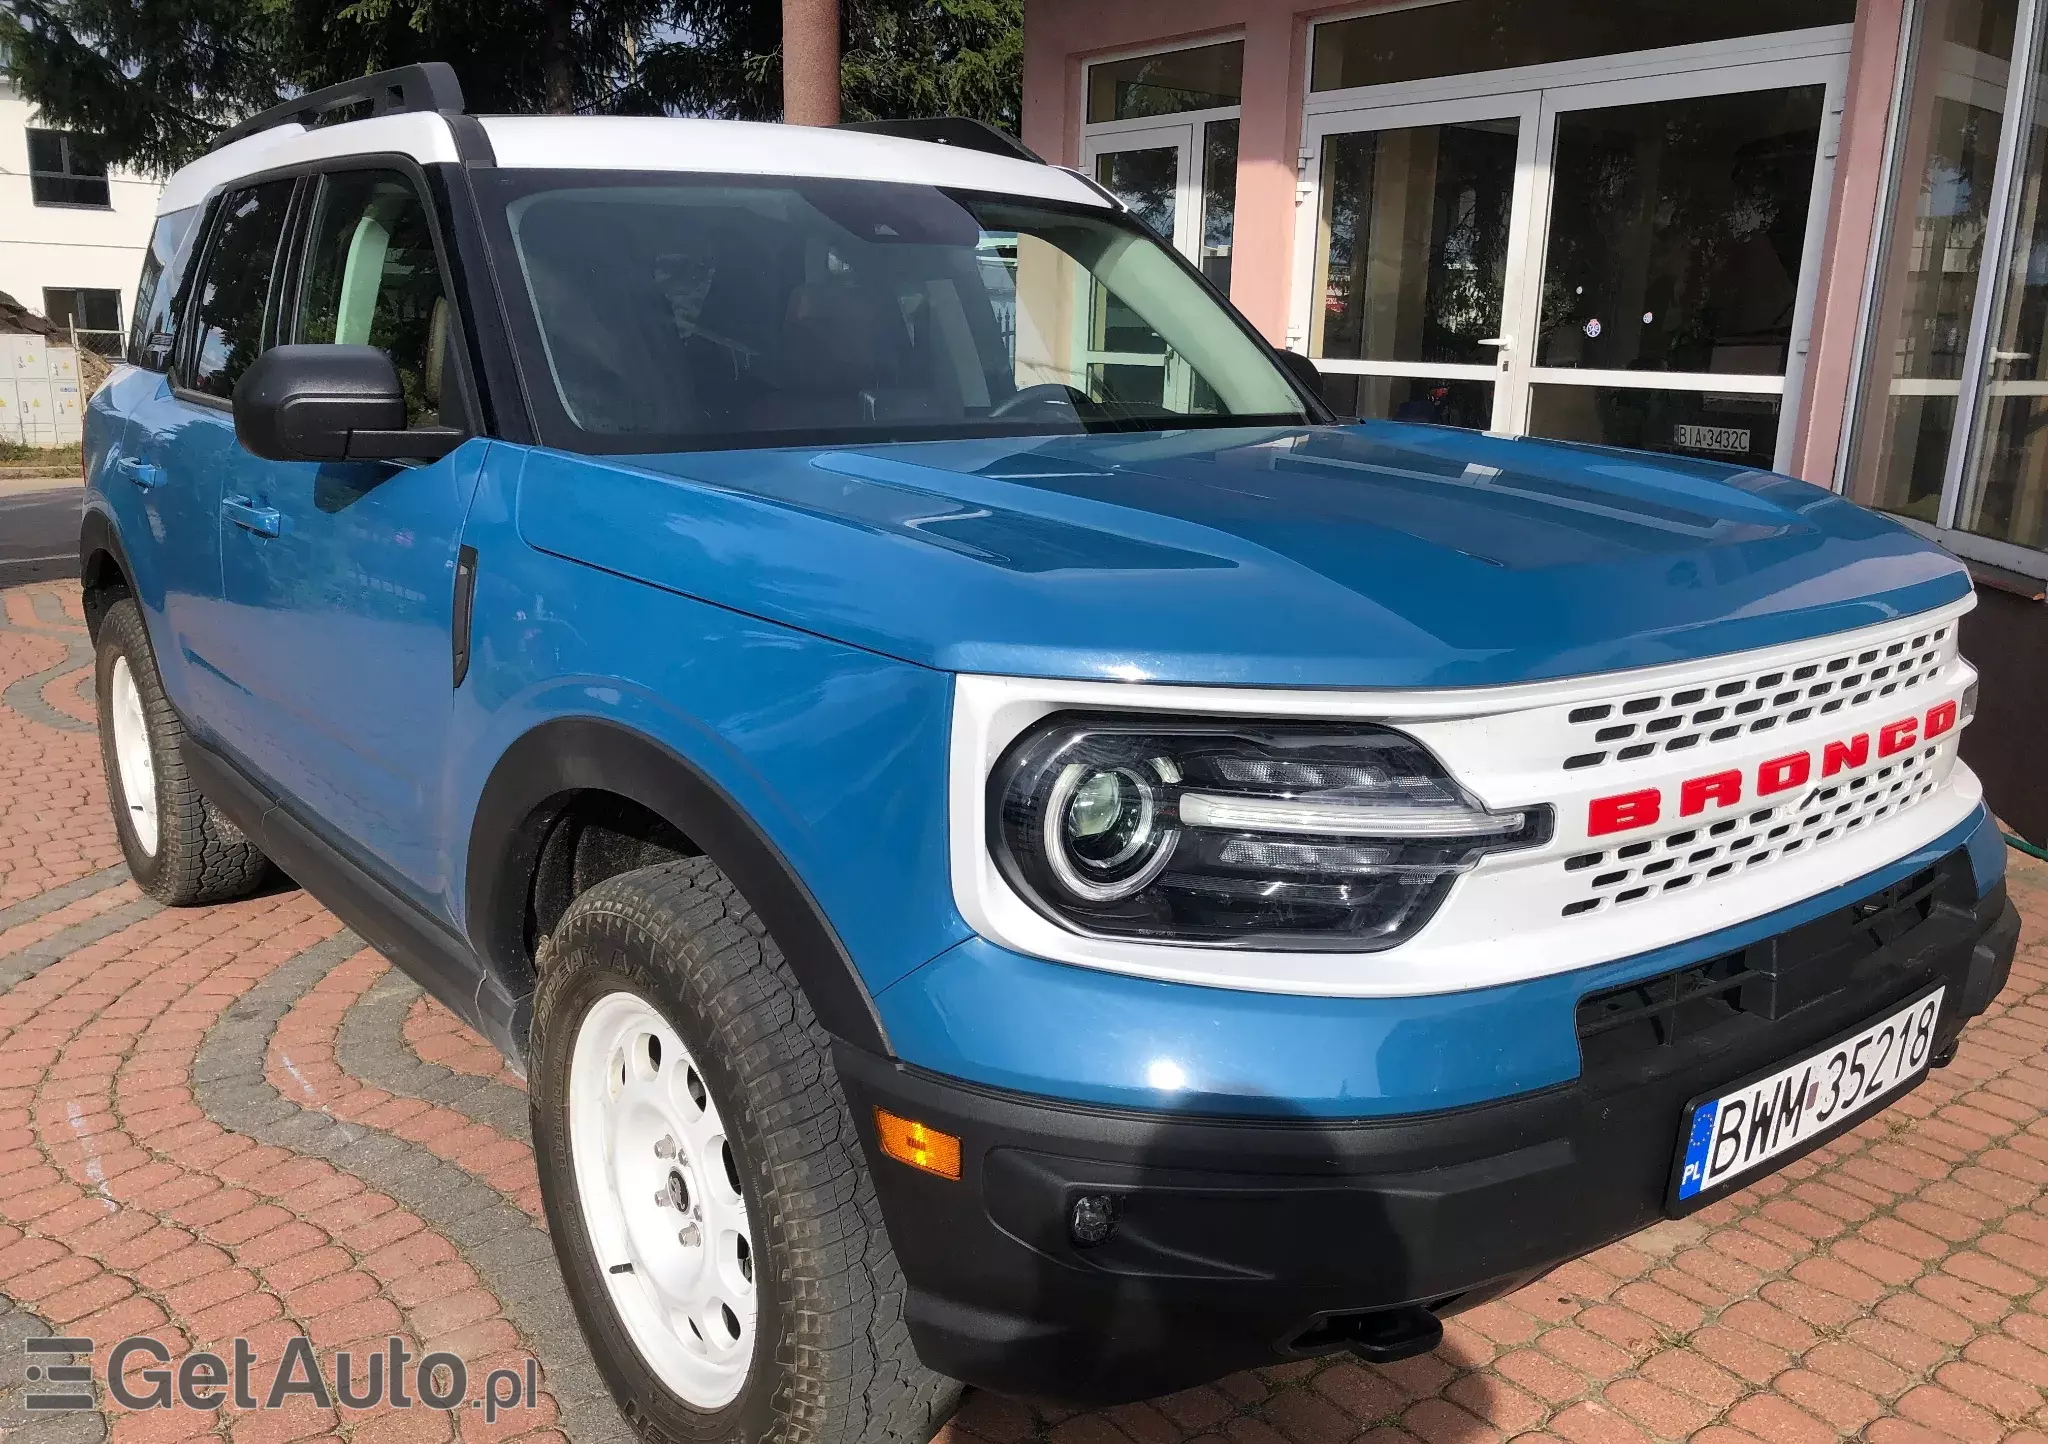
{"x": 1503, "y": 344}
{"x": 141, "y": 472}
{"x": 262, "y": 520}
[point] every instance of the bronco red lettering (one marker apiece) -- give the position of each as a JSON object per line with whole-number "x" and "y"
{"x": 1939, "y": 720}
{"x": 1897, "y": 736}
{"x": 1722, "y": 788}
{"x": 1623, "y": 811}
{"x": 1837, "y": 756}
{"x": 1781, "y": 773}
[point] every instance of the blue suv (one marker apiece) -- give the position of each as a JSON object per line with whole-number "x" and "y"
{"x": 1011, "y": 847}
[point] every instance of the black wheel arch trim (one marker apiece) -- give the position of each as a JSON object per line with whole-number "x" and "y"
{"x": 575, "y": 754}
{"x": 96, "y": 534}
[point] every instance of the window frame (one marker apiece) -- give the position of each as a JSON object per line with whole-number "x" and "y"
{"x": 180, "y": 369}
{"x": 288, "y": 274}
{"x": 2029, "y": 59}
{"x": 64, "y": 139}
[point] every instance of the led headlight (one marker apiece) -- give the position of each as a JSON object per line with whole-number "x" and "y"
{"x": 1238, "y": 834}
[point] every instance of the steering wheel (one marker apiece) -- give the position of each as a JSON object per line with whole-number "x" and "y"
{"x": 1045, "y": 396}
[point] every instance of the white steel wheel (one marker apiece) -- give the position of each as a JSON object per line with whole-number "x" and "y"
{"x": 660, "y": 1196}
{"x": 132, "y": 756}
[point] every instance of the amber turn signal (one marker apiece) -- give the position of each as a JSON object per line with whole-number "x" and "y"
{"x": 920, "y": 1147}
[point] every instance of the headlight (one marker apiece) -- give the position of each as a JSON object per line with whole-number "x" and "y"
{"x": 1306, "y": 836}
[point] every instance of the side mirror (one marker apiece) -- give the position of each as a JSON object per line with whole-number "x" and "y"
{"x": 330, "y": 403}
{"x": 1302, "y": 369}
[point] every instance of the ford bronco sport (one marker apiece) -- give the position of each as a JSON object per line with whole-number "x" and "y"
{"x": 1010, "y": 846}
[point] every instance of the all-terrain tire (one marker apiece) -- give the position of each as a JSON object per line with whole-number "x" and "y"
{"x": 832, "y": 1361}
{"x": 199, "y": 856}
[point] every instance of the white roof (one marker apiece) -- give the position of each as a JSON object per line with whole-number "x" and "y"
{"x": 617, "y": 142}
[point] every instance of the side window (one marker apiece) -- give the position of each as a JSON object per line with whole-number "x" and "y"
{"x": 372, "y": 279}
{"x": 234, "y": 293}
{"x": 163, "y": 273}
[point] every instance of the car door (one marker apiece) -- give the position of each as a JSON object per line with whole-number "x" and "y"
{"x": 181, "y": 443}
{"x": 338, "y": 578}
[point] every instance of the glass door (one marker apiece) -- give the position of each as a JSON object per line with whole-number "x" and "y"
{"x": 1180, "y": 179}
{"x": 1151, "y": 170}
{"x": 1677, "y": 266}
{"x": 1417, "y": 257}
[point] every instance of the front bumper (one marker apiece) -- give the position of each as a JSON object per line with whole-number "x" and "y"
{"x": 1240, "y": 1239}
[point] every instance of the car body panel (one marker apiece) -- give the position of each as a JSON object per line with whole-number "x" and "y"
{"x": 336, "y": 638}
{"x": 1377, "y": 555}
{"x": 834, "y": 752}
{"x": 1017, "y": 1023}
{"x": 169, "y": 530}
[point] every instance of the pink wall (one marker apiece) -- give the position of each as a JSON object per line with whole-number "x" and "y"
{"x": 1852, "y": 229}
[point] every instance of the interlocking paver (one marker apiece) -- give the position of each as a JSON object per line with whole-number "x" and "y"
{"x": 1888, "y": 1287}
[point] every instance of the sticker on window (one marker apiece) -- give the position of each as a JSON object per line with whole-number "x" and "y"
{"x": 1714, "y": 438}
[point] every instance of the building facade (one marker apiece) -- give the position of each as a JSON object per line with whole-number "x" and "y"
{"x": 72, "y": 230}
{"x": 1802, "y": 234}
{"x": 1807, "y": 235}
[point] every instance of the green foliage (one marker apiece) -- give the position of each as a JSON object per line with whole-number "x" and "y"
{"x": 154, "y": 80}
{"x": 933, "y": 57}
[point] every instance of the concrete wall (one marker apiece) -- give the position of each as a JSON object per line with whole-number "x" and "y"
{"x": 64, "y": 245}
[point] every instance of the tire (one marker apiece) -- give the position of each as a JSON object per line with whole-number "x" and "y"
{"x": 180, "y": 848}
{"x": 674, "y": 954}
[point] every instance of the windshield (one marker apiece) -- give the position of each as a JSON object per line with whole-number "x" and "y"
{"x": 675, "y": 313}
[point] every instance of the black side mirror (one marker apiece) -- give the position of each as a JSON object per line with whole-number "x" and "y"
{"x": 1302, "y": 369}
{"x": 330, "y": 403}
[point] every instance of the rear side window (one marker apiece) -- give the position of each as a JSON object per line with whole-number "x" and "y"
{"x": 163, "y": 274}
{"x": 372, "y": 279}
{"x": 233, "y": 314}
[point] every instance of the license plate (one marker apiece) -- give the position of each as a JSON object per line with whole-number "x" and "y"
{"x": 1726, "y": 1137}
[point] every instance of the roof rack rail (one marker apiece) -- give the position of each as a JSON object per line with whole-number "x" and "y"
{"x": 959, "y": 130}
{"x": 431, "y": 86}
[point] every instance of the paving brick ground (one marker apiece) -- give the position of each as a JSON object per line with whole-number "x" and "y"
{"x": 238, "y": 1120}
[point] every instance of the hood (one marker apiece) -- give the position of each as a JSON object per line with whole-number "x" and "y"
{"x": 1377, "y": 555}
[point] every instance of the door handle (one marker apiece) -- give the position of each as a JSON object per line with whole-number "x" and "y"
{"x": 262, "y": 520}
{"x": 142, "y": 473}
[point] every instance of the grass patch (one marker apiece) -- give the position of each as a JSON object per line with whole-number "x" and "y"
{"x": 56, "y": 458}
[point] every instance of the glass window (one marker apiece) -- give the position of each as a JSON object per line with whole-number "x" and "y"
{"x": 1441, "y": 401}
{"x": 1219, "y": 200}
{"x": 1738, "y": 429}
{"x": 1676, "y": 233}
{"x": 1145, "y": 180}
{"x": 1458, "y": 37}
{"x": 372, "y": 279}
{"x": 156, "y": 294}
{"x": 1414, "y": 243}
{"x": 235, "y": 315}
{"x": 2005, "y": 490}
{"x": 89, "y": 313}
{"x": 1932, "y": 253}
{"x": 65, "y": 170}
{"x": 677, "y": 314}
{"x": 1200, "y": 78}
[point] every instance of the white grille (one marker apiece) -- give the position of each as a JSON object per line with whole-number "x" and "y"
{"x": 1696, "y": 855}
{"x": 1585, "y": 898}
{"x": 1702, "y": 716}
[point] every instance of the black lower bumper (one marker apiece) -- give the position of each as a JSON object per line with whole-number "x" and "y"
{"x": 1247, "y": 1242}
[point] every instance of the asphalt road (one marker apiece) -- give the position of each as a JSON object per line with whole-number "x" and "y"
{"x": 39, "y": 534}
